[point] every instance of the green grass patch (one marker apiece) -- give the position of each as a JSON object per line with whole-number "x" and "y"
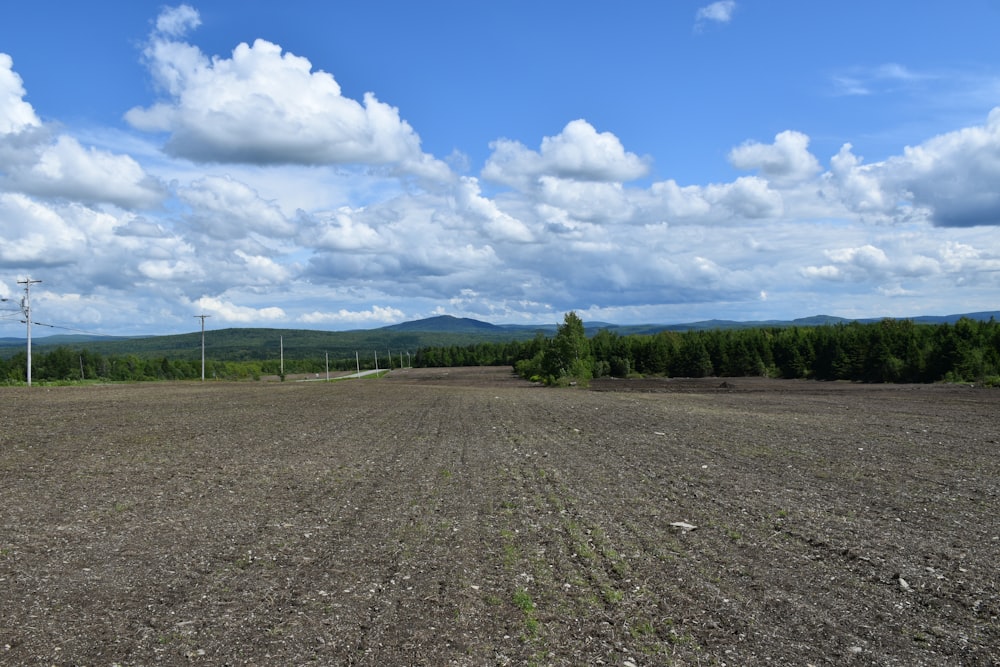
{"x": 522, "y": 600}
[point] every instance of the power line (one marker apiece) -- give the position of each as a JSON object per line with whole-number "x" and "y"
{"x": 81, "y": 331}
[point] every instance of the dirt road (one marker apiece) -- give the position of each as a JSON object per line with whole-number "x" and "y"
{"x": 462, "y": 516}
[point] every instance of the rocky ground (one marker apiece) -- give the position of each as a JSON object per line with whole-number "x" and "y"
{"x": 465, "y": 517}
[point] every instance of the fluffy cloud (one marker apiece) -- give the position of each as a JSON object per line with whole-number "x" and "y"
{"x": 229, "y": 312}
{"x": 674, "y": 202}
{"x": 15, "y": 114}
{"x": 263, "y": 106}
{"x": 594, "y": 202}
{"x": 34, "y": 234}
{"x": 954, "y": 175}
{"x": 859, "y": 186}
{"x": 164, "y": 270}
{"x": 785, "y": 162}
{"x": 344, "y": 230}
{"x": 226, "y": 209}
{"x": 68, "y": 170}
{"x": 886, "y": 267}
{"x": 949, "y": 179}
{"x": 376, "y": 315}
{"x": 418, "y": 244}
{"x": 579, "y": 177}
{"x": 579, "y": 153}
{"x": 32, "y": 162}
{"x": 498, "y": 225}
{"x": 261, "y": 270}
{"x": 747, "y": 197}
{"x": 860, "y": 261}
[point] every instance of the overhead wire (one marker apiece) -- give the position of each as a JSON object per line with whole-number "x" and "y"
{"x": 82, "y": 331}
{"x": 19, "y": 313}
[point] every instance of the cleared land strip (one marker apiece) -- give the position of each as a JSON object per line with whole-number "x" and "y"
{"x": 464, "y": 517}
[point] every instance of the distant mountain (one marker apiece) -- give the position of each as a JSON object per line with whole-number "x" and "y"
{"x": 455, "y": 325}
{"x": 444, "y": 324}
{"x": 951, "y": 319}
{"x": 249, "y": 344}
{"x": 241, "y": 344}
{"x": 707, "y": 325}
{"x": 813, "y": 321}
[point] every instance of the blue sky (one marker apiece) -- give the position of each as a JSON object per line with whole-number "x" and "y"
{"x": 350, "y": 165}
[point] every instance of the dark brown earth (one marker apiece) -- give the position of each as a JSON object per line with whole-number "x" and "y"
{"x": 464, "y": 517}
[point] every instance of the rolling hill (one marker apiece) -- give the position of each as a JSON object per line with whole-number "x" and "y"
{"x": 243, "y": 344}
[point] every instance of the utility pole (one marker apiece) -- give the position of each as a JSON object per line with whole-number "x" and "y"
{"x": 202, "y": 345}
{"x": 26, "y": 309}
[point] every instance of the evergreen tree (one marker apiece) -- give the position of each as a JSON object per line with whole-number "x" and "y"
{"x": 568, "y": 357}
{"x": 693, "y": 359}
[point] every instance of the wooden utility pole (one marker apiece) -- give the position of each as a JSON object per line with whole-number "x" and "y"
{"x": 26, "y": 309}
{"x": 202, "y": 345}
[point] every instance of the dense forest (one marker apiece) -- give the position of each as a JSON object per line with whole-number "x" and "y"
{"x": 885, "y": 351}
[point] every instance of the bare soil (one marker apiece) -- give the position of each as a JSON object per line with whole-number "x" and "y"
{"x": 465, "y": 517}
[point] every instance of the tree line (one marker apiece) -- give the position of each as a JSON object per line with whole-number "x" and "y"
{"x": 65, "y": 364}
{"x": 885, "y": 351}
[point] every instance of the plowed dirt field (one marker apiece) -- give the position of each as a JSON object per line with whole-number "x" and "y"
{"x": 465, "y": 517}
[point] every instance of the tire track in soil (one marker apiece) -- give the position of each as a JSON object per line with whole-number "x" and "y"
{"x": 575, "y": 554}
{"x": 417, "y": 542}
{"x": 411, "y": 583}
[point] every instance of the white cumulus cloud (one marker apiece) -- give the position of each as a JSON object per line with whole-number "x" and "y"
{"x": 265, "y": 106}
{"x": 344, "y": 230}
{"x": 69, "y": 170}
{"x": 229, "y": 312}
{"x": 787, "y": 161}
{"x": 747, "y": 197}
{"x": 224, "y": 208}
{"x": 377, "y": 314}
{"x": 949, "y": 179}
{"x": 33, "y": 162}
{"x": 498, "y": 224}
{"x": 955, "y": 175}
{"x": 15, "y": 113}
{"x": 579, "y": 152}
{"x": 33, "y": 233}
